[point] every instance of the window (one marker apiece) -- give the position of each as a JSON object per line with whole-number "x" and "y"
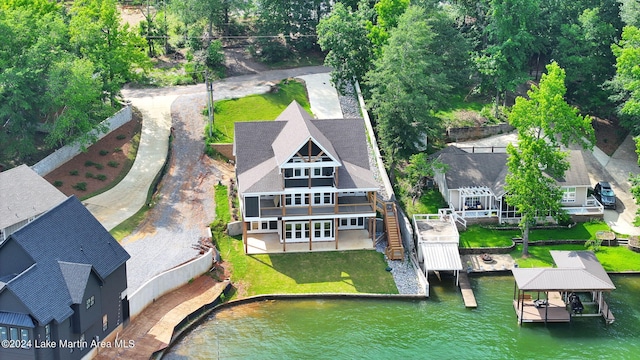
{"x": 47, "y": 332}
{"x": 322, "y": 198}
{"x": 273, "y": 225}
{"x": 24, "y": 336}
{"x": 472, "y": 203}
{"x": 568, "y": 194}
{"x": 90, "y": 301}
{"x": 13, "y": 334}
{"x": 4, "y": 335}
{"x": 323, "y": 230}
{"x": 296, "y": 199}
{"x": 105, "y": 322}
{"x": 82, "y": 342}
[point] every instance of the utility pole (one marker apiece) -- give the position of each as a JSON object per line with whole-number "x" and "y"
{"x": 209, "y": 85}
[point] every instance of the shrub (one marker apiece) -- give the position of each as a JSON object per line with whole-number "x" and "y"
{"x": 103, "y": 152}
{"x": 88, "y": 175}
{"x": 118, "y": 149}
{"x": 73, "y": 172}
{"x": 57, "y": 183}
{"x": 113, "y": 164}
{"x": 88, "y": 163}
{"x": 82, "y": 186}
{"x": 101, "y": 177}
{"x": 121, "y": 136}
{"x": 99, "y": 166}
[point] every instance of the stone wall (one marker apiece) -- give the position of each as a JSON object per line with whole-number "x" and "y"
{"x": 476, "y": 132}
{"x": 68, "y": 152}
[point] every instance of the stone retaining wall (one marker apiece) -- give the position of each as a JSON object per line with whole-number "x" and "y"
{"x": 68, "y": 152}
{"x": 476, "y": 132}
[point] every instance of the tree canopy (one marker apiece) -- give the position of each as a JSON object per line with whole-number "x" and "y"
{"x": 545, "y": 123}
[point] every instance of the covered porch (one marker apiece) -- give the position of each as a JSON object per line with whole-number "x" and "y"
{"x": 270, "y": 243}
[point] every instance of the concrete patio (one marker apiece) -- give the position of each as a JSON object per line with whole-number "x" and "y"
{"x": 347, "y": 240}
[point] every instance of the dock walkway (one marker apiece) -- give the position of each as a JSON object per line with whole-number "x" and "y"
{"x": 467, "y": 294}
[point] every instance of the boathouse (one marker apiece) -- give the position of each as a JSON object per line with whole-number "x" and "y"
{"x": 554, "y": 294}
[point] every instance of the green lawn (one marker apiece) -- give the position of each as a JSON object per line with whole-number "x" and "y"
{"x": 477, "y": 236}
{"x": 617, "y": 258}
{"x": 256, "y": 107}
{"x": 429, "y": 203}
{"x": 293, "y": 273}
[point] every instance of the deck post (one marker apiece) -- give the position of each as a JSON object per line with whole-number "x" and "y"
{"x": 336, "y": 231}
{"x": 284, "y": 236}
{"x": 244, "y": 237}
{"x": 310, "y": 235}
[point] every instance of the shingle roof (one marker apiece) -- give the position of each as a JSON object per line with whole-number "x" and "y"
{"x": 490, "y": 169}
{"x": 25, "y": 194}
{"x": 261, "y": 146}
{"x": 65, "y": 243}
{"x": 576, "y": 271}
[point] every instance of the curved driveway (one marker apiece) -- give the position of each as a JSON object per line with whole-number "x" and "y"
{"x": 169, "y": 235}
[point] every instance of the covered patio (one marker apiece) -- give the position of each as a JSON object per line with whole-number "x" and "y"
{"x": 556, "y": 289}
{"x": 270, "y": 243}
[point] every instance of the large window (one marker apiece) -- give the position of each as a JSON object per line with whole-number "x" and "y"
{"x": 568, "y": 194}
{"x": 296, "y": 231}
{"x": 472, "y": 203}
{"x": 4, "y": 335}
{"x": 323, "y": 230}
{"x": 322, "y": 199}
{"x": 296, "y": 199}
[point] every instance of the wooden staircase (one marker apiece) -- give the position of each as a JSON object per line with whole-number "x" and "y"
{"x": 394, "y": 250}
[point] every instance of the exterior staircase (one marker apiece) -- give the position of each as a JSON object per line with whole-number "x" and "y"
{"x": 394, "y": 250}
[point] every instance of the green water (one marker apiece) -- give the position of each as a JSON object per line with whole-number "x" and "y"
{"x": 438, "y": 328}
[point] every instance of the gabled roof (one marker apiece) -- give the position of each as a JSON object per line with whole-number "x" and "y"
{"x": 25, "y": 194}
{"x": 576, "y": 271}
{"x": 490, "y": 169}
{"x": 256, "y": 144}
{"x": 297, "y": 131}
{"x": 66, "y": 243}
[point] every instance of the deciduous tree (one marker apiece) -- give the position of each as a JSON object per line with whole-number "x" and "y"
{"x": 545, "y": 122}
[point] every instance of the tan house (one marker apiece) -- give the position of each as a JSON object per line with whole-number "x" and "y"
{"x": 304, "y": 184}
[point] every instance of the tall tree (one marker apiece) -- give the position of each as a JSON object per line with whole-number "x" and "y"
{"x": 407, "y": 87}
{"x": 545, "y": 122}
{"x": 627, "y": 78}
{"x": 343, "y": 35}
{"x": 117, "y": 52}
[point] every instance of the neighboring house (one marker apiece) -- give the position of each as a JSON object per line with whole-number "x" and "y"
{"x": 305, "y": 181}
{"x": 473, "y": 186}
{"x": 24, "y": 195}
{"x": 63, "y": 281}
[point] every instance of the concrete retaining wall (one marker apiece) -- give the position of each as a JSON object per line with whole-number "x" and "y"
{"x": 168, "y": 281}
{"x": 234, "y": 228}
{"x": 477, "y": 132}
{"x": 68, "y": 152}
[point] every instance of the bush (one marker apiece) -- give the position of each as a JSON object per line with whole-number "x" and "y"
{"x": 103, "y": 152}
{"x": 88, "y": 175}
{"x": 82, "y": 186}
{"x": 121, "y": 136}
{"x": 99, "y": 166}
{"x": 57, "y": 183}
{"x": 118, "y": 149}
{"x": 113, "y": 164}
{"x": 101, "y": 177}
{"x": 73, "y": 172}
{"x": 88, "y": 163}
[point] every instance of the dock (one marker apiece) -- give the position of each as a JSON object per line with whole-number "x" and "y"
{"x": 467, "y": 294}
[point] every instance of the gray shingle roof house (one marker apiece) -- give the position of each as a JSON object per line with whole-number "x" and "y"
{"x": 473, "y": 185}
{"x": 62, "y": 279}
{"x": 23, "y": 196}
{"x": 303, "y": 180}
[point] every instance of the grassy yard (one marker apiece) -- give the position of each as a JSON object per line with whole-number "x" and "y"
{"x": 614, "y": 259}
{"x": 256, "y": 107}
{"x": 292, "y": 273}
{"x": 477, "y": 236}
{"x": 429, "y": 203}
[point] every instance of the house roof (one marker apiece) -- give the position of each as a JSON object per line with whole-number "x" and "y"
{"x": 17, "y": 319}
{"x": 441, "y": 255}
{"x": 261, "y": 147}
{"x": 25, "y": 194}
{"x": 576, "y": 271}
{"x": 66, "y": 243}
{"x": 490, "y": 169}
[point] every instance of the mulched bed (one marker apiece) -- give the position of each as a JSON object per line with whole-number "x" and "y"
{"x": 609, "y": 134}
{"x": 112, "y": 149}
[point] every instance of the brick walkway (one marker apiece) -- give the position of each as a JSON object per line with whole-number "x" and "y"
{"x": 152, "y": 329}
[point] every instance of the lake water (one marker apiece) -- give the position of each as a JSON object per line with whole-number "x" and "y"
{"x": 437, "y": 328}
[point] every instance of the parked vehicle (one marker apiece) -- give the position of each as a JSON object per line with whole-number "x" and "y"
{"x": 604, "y": 193}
